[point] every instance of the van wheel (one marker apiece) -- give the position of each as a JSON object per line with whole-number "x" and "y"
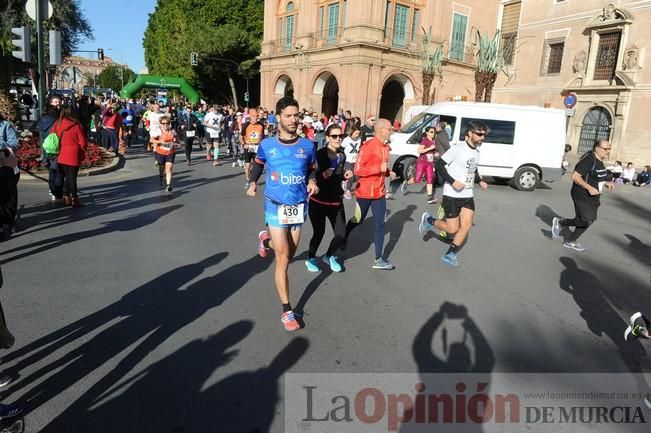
{"x": 408, "y": 168}
{"x": 526, "y": 178}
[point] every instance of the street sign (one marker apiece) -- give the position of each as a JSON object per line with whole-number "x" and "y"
{"x": 569, "y": 112}
{"x": 570, "y": 100}
{"x": 46, "y": 8}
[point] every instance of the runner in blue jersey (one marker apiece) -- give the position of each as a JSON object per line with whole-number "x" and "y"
{"x": 290, "y": 180}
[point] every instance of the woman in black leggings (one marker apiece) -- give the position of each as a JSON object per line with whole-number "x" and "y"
{"x": 328, "y": 202}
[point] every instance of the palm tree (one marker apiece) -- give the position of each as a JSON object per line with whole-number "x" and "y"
{"x": 430, "y": 60}
{"x": 490, "y": 61}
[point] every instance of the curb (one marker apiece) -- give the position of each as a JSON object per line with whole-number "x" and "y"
{"x": 115, "y": 164}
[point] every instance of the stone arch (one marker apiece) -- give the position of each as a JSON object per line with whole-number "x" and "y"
{"x": 327, "y": 86}
{"x": 284, "y": 86}
{"x": 396, "y": 89}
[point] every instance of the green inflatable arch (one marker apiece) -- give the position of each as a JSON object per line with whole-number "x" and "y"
{"x": 157, "y": 82}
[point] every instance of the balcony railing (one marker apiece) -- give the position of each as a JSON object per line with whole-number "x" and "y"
{"x": 400, "y": 39}
{"x": 285, "y": 45}
{"x": 462, "y": 54}
{"x": 327, "y": 37}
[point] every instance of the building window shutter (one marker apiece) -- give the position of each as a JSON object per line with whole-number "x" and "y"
{"x": 509, "y": 30}
{"x": 458, "y": 43}
{"x": 414, "y": 25}
{"x": 289, "y": 31}
{"x": 400, "y": 26}
{"x": 333, "y": 22}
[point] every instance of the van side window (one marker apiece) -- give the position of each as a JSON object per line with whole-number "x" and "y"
{"x": 431, "y": 120}
{"x": 500, "y": 131}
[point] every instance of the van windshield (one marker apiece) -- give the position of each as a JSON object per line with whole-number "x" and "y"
{"x": 417, "y": 122}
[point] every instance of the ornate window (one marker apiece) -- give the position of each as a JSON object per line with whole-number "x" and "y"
{"x": 607, "y": 53}
{"x": 287, "y": 27}
{"x": 401, "y": 22}
{"x": 332, "y": 20}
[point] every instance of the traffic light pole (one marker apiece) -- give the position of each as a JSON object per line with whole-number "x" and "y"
{"x": 40, "y": 56}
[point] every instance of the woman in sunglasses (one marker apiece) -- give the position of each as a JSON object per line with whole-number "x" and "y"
{"x": 165, "y": 146}
{"x": 424, "y": 164}
{"x": 328, "y": 203}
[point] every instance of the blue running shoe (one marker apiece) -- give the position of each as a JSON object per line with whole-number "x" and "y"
{"x": 450, "y": 259}
{"x": 332, "y": 261}
{"x": 311, "y": 265}
{"x": 424, "y": 226}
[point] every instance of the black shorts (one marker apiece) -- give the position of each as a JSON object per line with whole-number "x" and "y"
{"x": 453, "y": 205}
{"x": 162, "y": 159}
{"x": 249, "y": 156}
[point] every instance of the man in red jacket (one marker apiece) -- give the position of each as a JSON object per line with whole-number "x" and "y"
{"x": 372, "y": 169}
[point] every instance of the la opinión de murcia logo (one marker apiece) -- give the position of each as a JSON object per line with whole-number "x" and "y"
{"x": 373, "y": 406}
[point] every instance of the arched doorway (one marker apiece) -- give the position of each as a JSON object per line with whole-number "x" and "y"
{"x": 596, "y": 124}
{"x": 284, "y": 86}
{"x": 391, "y": 101}
{"x": 327, "y": 86}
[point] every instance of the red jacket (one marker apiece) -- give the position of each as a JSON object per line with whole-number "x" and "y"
{"x": 72, "y": 140}
{"x": 372, "y": 155}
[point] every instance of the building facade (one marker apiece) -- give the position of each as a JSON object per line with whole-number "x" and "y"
{"x": 364, "y": 55}
{"x": 78, "y": 72}
{"x": 592, "y": 52}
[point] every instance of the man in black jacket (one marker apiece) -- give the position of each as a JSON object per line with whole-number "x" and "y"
{"x": 8, "y": 205}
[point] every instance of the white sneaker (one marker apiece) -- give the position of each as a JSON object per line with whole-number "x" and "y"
{"x": 233, "y": 164}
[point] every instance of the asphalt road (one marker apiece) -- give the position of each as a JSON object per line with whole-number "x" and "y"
{"x": 150, "y": 312}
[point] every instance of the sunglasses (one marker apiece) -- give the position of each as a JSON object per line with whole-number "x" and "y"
{"x": 480, "y": 134}
{"x": 339, "y": 136}
{"x": 604, "y": 148}
{"x": 165, "y": 123}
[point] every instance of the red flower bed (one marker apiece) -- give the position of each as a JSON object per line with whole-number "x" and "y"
{"x": 29, "y": 155}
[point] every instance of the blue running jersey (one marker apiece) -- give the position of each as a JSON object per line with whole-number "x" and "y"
{"x": 287, "y": 168}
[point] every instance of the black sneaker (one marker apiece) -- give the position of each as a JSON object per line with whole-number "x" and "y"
{"x": 9, "y": 410}
{"x": 169, "y": 188}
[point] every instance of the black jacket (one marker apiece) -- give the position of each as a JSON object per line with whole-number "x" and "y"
{"x": 329, "y": 189}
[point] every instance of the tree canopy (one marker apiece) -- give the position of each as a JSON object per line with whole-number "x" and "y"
{"x": 227, "y": 29}
{"x": 67, "y": 17}
{"x": 113, "y": 77}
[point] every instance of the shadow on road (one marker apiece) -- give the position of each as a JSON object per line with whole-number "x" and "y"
{"x": 147, "y": 317}
{"x": 598, "y": 310}
{"x": 131, "y": 223}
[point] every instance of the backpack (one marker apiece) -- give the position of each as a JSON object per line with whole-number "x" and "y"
{"x": 52, "y": 143}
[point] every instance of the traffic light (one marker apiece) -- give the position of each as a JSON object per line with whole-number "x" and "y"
{"x": 23, "y": 42}
{"x": 194, "y": 58}
{"x": 100, "y": 54}
{"x": 55, "y": 47}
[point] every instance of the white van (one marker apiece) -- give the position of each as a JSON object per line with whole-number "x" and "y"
{"x": 525, "y": 144}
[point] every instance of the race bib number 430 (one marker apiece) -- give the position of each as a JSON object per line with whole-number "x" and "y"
{"x": 291, "y": 214}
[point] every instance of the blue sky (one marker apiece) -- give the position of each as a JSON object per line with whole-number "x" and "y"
{"x": 119, "y": 26}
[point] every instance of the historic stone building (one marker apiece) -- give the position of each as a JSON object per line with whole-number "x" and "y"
{"x": 593, "y": 49}
{"x": 364, "y": 55}
{"x": 77, "y": 72}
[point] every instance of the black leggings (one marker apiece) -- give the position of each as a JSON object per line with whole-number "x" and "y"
{"x": 69, "y": 174}
{"x": 337, "y": 215}
{"x": 188, "y": 148}
{"x": 585, "y": 214}
{"x": 379, "y": 208}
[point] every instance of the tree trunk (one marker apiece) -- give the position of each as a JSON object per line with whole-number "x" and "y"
{"x": 427, "y": 85}
{"x": 233, "y": 91}
{"x": 482, "y": 81}
{"x": 489, "y": 87}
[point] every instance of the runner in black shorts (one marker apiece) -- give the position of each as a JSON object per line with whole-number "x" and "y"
{"x": 251, "y": 136}
{"x": 460, "y": 174}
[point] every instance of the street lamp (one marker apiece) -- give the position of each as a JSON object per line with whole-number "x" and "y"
{"x": 121, "y": 66}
